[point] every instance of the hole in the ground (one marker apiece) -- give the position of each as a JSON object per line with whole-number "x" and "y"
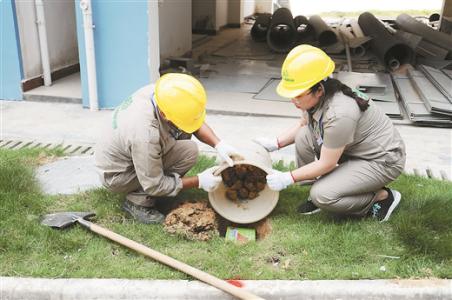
{"x": 198, "y": 221}
{"x": 263, "y": 227}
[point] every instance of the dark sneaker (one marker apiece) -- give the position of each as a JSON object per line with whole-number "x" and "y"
{"x": 308, "y": 208}
{"x": 143, "y": 214}
{"x": 382, "y": 210}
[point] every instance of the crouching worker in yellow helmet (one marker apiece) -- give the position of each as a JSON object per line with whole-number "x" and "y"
{"x": 146, "y": 150}
{"x": 358, "y": 149}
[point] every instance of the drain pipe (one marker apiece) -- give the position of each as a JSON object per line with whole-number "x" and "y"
{"x": 88, "y": 26}
{"x": 389, "y": 50}
{"x": 42, "y": 33}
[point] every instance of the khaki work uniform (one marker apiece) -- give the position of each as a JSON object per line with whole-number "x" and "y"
{"x": 374, "y": 153}
{"x": 140, "y": 151}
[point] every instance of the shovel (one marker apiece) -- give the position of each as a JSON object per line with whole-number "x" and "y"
{"x": 66, "y": 219}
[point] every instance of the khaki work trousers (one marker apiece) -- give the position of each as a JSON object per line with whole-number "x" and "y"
{"x": 351, "y": 187}
{"x": 179, "y": 159}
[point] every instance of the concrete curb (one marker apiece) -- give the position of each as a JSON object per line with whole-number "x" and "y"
{"x": 15, "y": 288}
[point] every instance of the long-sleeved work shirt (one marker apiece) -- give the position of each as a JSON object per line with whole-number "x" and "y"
{"x": 133, "y": 146}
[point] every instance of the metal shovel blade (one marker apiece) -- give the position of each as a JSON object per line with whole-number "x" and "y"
{"x": 64, "y": 219}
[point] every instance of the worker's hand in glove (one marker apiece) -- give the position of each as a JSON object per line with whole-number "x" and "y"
{"x": 208, "y": 181}
{"x": 270, "y": 144}
{"x": 279, "y": 180}
{"x": 226, "y": 152}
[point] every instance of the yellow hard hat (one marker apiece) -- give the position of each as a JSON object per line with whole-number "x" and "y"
{"x": 182, "y": 99}
{"x": 303, "y": 67}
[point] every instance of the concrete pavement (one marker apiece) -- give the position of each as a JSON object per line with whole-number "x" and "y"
{"x": 13, "y": 288}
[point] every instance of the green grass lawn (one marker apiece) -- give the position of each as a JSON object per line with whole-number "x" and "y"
{"x": 415, "y": 243}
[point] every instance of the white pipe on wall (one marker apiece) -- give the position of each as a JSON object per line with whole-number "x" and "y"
{"x": 42, "y": 32}
{"x": 154, "y": 40}
{"x": 85, "y": 5}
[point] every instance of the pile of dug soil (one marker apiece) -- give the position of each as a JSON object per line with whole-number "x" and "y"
{"x": 243, "y": 182}
{"x": 194, "y": 221}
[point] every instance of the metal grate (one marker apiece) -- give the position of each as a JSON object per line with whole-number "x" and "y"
{"x": 68, "y": 148}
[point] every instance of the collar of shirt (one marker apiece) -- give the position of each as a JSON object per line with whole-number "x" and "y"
{"x": 317, "y": 114}
{"x": 317, "y": 111}
{"x": 156, "y": 109}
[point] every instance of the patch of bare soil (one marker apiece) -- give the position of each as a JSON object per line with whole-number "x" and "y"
{"x": 194, "y": 221}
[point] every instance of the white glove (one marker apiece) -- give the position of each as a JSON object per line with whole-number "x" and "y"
{"x": 270, "y": 144}
{"x": 225, "y": 151}
{"x": 279, "y": 180}
{"x": 208, "y": 181}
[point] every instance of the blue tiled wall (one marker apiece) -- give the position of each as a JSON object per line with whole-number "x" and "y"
{"x": 121, "y": 45}
{"x": 10, "y": 61}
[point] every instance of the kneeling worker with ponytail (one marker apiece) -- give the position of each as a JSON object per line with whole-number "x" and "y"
{"x": 358, "y": 149}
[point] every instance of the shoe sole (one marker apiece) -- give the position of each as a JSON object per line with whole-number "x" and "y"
{"x": 316, "y": 211}
{"x": 397, "y": 196}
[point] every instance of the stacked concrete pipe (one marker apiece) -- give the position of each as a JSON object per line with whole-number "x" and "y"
{"x": 282, "y": 33}
{"x": 305, "y": 31}
{"x": 260, "y": 27}
{"x": 431, "y": 35}
{"x": 389, "y": 50}
{"x": 324, "y": 34}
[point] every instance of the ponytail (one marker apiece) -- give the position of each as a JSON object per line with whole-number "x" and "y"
{"x": 332, "y": 86}
{"x": 362, "y": 103}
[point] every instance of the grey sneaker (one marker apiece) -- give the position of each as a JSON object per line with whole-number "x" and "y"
{"x": 143, "y": 214}
{"x": 382, "y": 210}
{"x": 308, "y": 208}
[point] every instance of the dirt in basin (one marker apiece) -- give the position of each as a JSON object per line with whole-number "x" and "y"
{"x": 243, "y": 182}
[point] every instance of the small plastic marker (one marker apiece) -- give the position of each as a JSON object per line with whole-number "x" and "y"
{"x": 237, "y": 283}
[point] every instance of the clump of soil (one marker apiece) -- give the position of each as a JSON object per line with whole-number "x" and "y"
{"x": 243, "y": 182}
{"x": 194, "y": 221}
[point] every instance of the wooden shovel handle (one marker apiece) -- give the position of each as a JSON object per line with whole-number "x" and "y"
{"x": 203, "y": 276}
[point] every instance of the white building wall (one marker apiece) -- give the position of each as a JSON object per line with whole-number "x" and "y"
{"x": 264, "y": 6}
{"x": 221, "y": 13}
{"x": 234, "y": 12}
{"x": 61, "y": 35}
{"x": 248, "y": 8}
{"x": 29, "y": 42}
{"x": 204, "y": 14}
{"x": 447, "y": 9}
{"x": 175, "y": 19}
